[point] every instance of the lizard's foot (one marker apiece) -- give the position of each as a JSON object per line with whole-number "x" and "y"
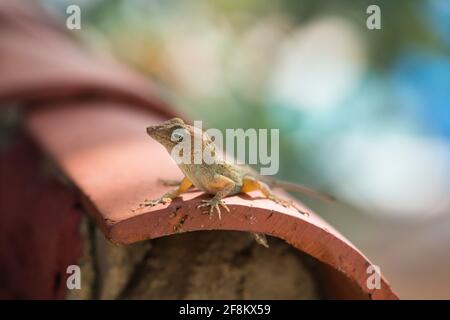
{"x": 152, "y": 203}
{"x": 169, "y": 183}
{"x": 286, "y": 204}
{"x": 214, "y": 204}
{"x": 261, "y": 239}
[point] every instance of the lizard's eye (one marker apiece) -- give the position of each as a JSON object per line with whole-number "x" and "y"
{"x": 177, "y": 136}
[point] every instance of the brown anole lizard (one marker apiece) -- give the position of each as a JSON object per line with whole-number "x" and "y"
{"x": 220, "y": 178}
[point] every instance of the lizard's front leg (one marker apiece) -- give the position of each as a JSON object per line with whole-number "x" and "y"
{"x": 250, "y": 184}
{"x": 224, "y": 187}
{"x": 169, "y": 196}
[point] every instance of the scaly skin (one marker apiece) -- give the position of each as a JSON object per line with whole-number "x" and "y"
{"x": 220, "y": 178}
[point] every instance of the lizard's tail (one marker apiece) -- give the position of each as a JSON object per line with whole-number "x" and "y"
{"x": 289, "y": 186}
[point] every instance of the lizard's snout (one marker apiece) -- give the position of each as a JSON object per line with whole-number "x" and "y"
{"x": 155, "y": 132}
{"x": 150, "y": 130}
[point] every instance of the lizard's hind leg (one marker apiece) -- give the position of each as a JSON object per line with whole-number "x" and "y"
{"x": 251, "y": 184}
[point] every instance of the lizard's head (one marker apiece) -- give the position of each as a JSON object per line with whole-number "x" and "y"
{"x": 170, "y": 132}
{"x": 174, "y": 132}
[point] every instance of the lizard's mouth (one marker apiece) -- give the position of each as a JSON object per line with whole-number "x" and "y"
{"x": 152, "y": 132}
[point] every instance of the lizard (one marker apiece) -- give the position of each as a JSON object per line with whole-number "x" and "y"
{"x": 219, "y": 178}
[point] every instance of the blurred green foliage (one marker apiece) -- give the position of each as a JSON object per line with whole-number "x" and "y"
{"x": 216, "y": 60}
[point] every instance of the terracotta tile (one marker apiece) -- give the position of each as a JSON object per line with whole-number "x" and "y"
{"x": 39, "y": 227}
{"x": 104, "y": 149}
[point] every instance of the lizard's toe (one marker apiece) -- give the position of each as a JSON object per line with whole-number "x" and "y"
{"x": 214, "y": 204}
{"x": 148, "y": 203}
{"x": 204, "y": 204}
{"x": 224, "y": 206}
{"x": 152, "y": 203}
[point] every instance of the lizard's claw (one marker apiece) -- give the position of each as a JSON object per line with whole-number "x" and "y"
{"x": 214, "y": 204}
{"x": 152, "y": 203}
{"x": 286, "y": 204}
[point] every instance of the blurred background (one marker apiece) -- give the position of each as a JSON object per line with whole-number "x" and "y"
{"x": 363, "y": 114}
